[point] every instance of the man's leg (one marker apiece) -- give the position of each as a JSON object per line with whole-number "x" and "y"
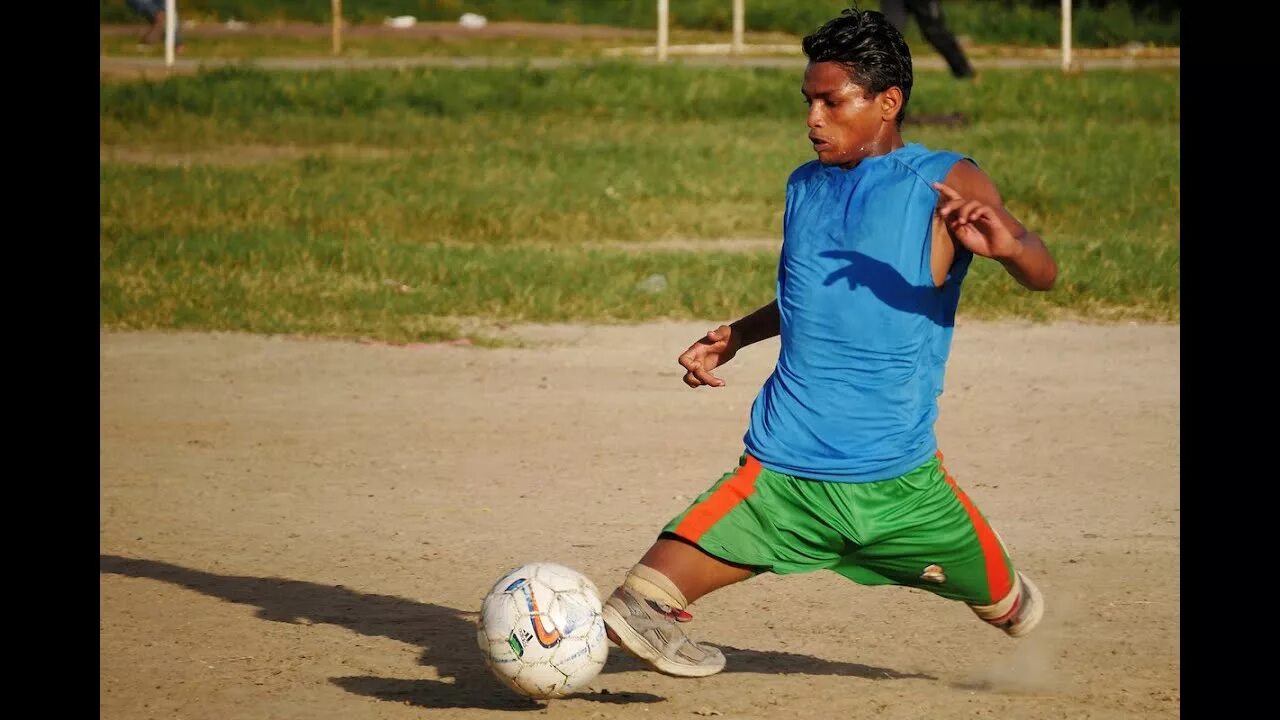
{"x": 154, "y": 10}
{"x": 752, "y": 520}
{"x": 896, "y": 13}
{"x": 693, "y": 571}
{"x": 1019, "y": 612}
{"x": 933, "y": 26}
{"x": 726, "y": 535}
{"x": 644, "y": 614}
{"x": 944, "y": 545}
{"x": 148, "y": 9}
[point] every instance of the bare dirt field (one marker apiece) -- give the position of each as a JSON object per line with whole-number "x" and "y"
{"x": 304, "y": 529}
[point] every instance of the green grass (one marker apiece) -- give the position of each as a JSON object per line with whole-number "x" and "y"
{"x": 253, "y": 101}
{"x": 267, "y": 44}
{"x": 282, "y": 202}
{"x": 340, "y": 287}
{"x": 263, "y": 46}
{"x": 1105, "y": 23}
{"x": 332, "y": 285}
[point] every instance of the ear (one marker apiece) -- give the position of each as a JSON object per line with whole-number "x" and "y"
{"x": 890, "y": 103}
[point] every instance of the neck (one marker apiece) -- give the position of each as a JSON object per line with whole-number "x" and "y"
{"x": 887, "y": 142}
{"x": 882, "y": 144}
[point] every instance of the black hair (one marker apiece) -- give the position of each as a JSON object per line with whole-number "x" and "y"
{"x": 869, "y": 48}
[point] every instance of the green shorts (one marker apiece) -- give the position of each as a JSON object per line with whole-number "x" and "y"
{"x": 918, "y": 530}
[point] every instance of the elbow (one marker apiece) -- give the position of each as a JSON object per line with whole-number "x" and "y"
{"x": 1040, "y": 279}
{"x": 1047, "y": 280}
{"x": 1039, "y": 269}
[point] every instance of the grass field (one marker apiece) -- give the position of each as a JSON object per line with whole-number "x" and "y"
{"x": 392, "y": 204}
{"x": 261, "y": 46}
{"x": 1109, "y": 23}
{"x": 373, "y": 42}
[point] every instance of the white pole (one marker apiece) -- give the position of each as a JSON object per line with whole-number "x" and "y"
{"x": 170, "y": 25}
{"x": 738, "y": 25}
{"x": 662, "y": 30}
{"x": 1066, "y": 35}
{"x": 337, "y": 27}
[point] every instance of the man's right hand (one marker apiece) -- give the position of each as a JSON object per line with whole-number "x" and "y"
{"x": 707, "y": 354}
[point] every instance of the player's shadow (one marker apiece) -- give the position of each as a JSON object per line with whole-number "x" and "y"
{"x": 776, "y": 662}
{"x": 447, "y": 637}
{"x": 888, "y": 284}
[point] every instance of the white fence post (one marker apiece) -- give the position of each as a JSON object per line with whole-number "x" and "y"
{"x": 739, "y": 23}
{"x": 337, "y": 27}
{"x": 170, "y": 27}
{"x": 1066, "y": 35}
{"x": 662, "y": 30}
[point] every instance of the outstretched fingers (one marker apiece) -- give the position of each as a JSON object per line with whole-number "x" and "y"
{"x": 959, "y": 211}
{"x": 697, "y": 375}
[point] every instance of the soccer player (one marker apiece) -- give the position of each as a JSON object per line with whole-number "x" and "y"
{"x": 841, "y": 469}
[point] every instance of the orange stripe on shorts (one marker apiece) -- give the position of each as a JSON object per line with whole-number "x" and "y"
{"x": 998, "y": 582}
{"x": 725, "y": 498}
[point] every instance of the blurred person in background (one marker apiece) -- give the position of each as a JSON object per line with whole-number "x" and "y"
{"x": 928, "y": 15}
{"x": 153, "y": 11}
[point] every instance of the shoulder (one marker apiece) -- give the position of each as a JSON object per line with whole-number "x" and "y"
{"x": 804, "y": 172}
{"x": 971, "y": 181}
{"x": 932, "y": 165}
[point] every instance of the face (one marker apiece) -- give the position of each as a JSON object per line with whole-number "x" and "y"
{"x": 847, "y": 124}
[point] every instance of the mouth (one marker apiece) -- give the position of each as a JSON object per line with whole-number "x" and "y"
{"x": 819, "y": 144}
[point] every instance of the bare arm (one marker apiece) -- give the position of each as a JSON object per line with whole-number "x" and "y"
{"x": 720, "y": 345}
{"x": 759, "y": 325}
{"x": 970, "y": 205}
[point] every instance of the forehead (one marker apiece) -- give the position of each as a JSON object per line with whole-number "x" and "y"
{"x": 824, "y": 78}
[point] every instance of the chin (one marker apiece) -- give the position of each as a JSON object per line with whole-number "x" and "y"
{"x": 829, "y": 157}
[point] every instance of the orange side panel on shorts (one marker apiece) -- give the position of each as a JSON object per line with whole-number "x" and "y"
{"x": 998, "y": 581}
{"x": 725, "y": 498}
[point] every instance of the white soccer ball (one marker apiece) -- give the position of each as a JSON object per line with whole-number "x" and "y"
{"x": 541, "y": 631}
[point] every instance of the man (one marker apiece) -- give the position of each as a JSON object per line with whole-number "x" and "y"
{"x": 153, "y": 11}
{"x": 928, "y": 15}
{"x": 842, "y": 470}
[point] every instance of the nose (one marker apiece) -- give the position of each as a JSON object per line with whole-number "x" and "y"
{"x": 814, "y": 118}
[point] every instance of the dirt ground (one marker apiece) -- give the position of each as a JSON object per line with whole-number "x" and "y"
{"x": 304, "y": 529}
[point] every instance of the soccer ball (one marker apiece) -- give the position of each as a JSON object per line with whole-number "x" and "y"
{"x": 541, "y": 631}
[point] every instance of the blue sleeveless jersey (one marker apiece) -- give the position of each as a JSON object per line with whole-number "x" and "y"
{"x": 865, "y": 333}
